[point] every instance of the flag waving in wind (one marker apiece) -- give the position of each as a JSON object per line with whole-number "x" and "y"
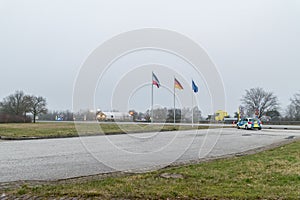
{"x": 155, "y": 80}
{"x": 194, "y": 86}
{"x": 177, "y": 84}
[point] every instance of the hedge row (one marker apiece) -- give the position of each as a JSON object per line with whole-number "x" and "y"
{"x": 7, "y": 118}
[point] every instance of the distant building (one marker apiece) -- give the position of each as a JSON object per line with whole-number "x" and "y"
{"x": 113, "y": 116}
{"x": 220, "y": 115}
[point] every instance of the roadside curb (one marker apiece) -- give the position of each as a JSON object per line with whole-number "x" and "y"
{"x": 281, "y": 128}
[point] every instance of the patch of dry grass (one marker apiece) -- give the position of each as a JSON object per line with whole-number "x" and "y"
{"x": 63, "y": 129}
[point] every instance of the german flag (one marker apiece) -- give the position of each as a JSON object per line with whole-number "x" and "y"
{"x": 177, "y": 84}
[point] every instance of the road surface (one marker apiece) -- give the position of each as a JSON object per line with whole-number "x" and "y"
{"x": 52, "y": 159}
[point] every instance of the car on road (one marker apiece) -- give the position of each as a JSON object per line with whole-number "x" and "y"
{"x": 249, "y": 123}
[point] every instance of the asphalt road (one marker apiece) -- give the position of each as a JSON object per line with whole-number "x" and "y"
{"x": 52, "y": 159}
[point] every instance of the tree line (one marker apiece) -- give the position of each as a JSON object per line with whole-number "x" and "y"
{"x": 255, "y": 101}
{"x": 159, "y": 115}
{"x": 15, "y": 107}
{"x": 262, "y": 103}
{"x": 167, "y": 115}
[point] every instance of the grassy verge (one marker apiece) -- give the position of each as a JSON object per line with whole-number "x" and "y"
{"x": 56, "y": 129}
{"x": 273, "y": 174}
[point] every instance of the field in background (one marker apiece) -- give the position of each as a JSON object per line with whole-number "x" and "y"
{"x": 65, "y": 129}
{"x": 272, "y": 174}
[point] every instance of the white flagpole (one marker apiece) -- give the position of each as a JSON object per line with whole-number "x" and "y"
{"x": 192, "y": 109}
{"x": 152, "y": 98}
{"x": 174, "y": 103}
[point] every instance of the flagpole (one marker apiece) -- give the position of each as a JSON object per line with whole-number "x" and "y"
{"x": 152, "y": 98}
{"x": 174, "y": 103}
{"x": 192, "y": 109}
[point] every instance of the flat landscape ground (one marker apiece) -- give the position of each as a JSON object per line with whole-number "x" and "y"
{"x": 271, "y": 174}
{"x": 89, "y": 167}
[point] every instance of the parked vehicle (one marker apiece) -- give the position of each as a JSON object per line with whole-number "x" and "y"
{"x": 249, "y": 123}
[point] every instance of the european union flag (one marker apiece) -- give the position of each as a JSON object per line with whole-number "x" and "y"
{"x": 194, "y": 87}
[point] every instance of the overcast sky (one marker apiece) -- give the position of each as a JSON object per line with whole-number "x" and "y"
{"x": 253, "y": 43}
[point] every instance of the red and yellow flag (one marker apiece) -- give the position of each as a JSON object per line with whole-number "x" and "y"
{"x": 177, "y": 84}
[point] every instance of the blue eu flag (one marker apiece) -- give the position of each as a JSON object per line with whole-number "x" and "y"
{"x": 194, "y": 87}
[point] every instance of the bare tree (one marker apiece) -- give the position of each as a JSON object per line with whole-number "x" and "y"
{"x": 37, "y": 106}
{"x": 197, "y": 114}
{"x": 160, "y": 114}
{"x": 15, "y": 104}
{"x": 273, "y": 114}
{"x": 293, "y": 110}
{"x": 187, "y": 114}
{"x": 258, "y": 101}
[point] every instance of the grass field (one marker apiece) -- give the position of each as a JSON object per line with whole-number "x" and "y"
{"x": 57, "y": 129}
{"x": 272, "y": 174}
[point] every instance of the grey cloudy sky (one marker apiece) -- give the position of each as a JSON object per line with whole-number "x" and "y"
{"x": 253, "y": 42}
